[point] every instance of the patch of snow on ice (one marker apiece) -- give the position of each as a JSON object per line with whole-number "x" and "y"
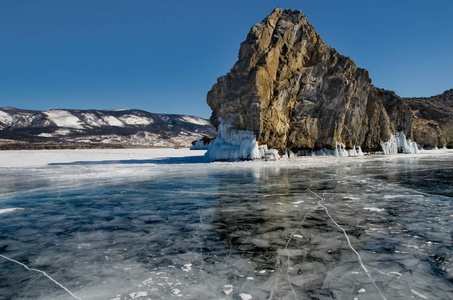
{"x": 374, "y": 209}
{"x": 64, "y": 118}
{"x": 138, "y": 295}
{"x": 418, "y": 294}
{"x": 245, "y": 296}
{"x": 391, "y": 196}
{"x": 227, "y": 289}
{"x": 187, "y": 267}
{"x": 397, "y": 274}
{"x": 33, "y": 158}
{"x": 7, "y": 210}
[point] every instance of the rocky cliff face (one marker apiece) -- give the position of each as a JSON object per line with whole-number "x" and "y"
{"x": 432, "y": 124}
{"x": 292, "y": 91}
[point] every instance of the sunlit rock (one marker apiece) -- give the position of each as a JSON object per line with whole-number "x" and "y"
{"x": 432, "y": 124}
{"x": 289, "y": 90}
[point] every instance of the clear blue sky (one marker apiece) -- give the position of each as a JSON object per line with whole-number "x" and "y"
{"x": 164, "y": 56}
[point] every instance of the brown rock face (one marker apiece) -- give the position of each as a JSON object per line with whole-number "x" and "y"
{"x": 386, "y": 114}
{"x": 432, "y": 124}
{"x": 295, "y": 92}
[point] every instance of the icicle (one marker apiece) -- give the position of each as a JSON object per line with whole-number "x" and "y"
{"x": 340, "y": 150}
{"x": 352, "y": 152}
{"x": 359, "y": 151}
{"x": 399, "y": 143}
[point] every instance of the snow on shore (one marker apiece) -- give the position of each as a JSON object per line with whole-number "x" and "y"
{"x": 43, "y": 158}
{"x": 40, "y": 158}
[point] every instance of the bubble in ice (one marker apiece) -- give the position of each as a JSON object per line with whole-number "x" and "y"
{"x": 245, "y": 296}
{"x": 227, "y": 289}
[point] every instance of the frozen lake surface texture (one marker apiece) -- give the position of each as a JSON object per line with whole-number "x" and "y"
{"x": 165, "y": 224}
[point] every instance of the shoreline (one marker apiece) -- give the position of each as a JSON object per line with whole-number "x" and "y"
{"x": 42, "y": 158}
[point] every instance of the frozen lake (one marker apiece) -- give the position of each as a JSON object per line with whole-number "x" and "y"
{"x": 164, "y": 224}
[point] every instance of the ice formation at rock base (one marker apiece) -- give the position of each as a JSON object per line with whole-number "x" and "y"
{"x": 399, "y": 144}
{"x": 234, "y": 145}
{"x": 340, "y": 150}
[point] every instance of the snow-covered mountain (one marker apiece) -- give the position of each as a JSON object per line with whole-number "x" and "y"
{"x": 21, "y": 128}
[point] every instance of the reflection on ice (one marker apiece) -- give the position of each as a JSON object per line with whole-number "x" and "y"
{"x": 308, "y": 228}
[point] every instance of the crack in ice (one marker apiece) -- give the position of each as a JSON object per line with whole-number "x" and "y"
{"x": 30, "y": 283}
{"x": 288, "y": 260}
{"x": 362, "y": 265}
{"x": 201, "y": 245}
{"x": 43, "y": 273}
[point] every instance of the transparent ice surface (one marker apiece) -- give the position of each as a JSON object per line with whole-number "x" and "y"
{"x": 374, "y": 227}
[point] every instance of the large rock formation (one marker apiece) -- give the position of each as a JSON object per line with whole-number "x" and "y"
{"x": 289, "y": 90}
{"x": 432, "y": 124}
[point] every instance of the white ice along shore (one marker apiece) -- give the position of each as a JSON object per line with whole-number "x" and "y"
{"x": 340, "y": 150}
{"x": 232, "y": 144}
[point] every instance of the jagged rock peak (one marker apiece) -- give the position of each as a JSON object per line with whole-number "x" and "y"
{"x": 292, "y": 91}
{"x": 289, "y": 90}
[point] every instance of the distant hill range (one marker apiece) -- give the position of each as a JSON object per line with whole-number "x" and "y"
{"x": 121, "y": 128}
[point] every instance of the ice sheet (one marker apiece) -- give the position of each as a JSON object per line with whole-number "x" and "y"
{"x": 31, "y": 158}
{"x": 165, "y": 224}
